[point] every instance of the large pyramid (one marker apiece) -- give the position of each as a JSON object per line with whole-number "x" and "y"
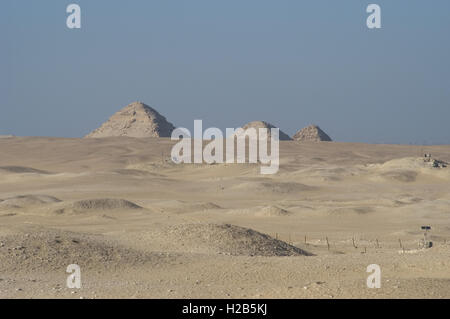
{"x": 135, "y": 120}
{"x": 312, "y": 133}
{"x": 261, "y": 124}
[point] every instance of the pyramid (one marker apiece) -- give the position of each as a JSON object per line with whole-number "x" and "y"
{"x": 312, "y": 133}
{"x": 135, "y": 120}
{"x": 261, "y": 124}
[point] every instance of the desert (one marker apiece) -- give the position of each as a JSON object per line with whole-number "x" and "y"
{"x": 256, "y": 153}
{"x": 140, "y": 226}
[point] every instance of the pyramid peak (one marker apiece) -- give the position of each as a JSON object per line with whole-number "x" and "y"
{"x": 139, "y": 106}
{"x": 312, "y": 133}
{"x": 259, "y": 124}
{"x": 263, "y": 124}
{"x": 137, "y": 119}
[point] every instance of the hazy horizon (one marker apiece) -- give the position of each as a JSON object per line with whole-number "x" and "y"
{"x": 289, "y": 63}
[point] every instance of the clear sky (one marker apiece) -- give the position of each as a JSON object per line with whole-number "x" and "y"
{"x": 228, "y": 62}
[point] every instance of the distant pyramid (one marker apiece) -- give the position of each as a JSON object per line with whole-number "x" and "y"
{"x": 135, "y": 120}
{"x": 261, "y": 124}
{"x": 312, "y": 133}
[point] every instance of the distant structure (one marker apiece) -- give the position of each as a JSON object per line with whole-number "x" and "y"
{"x": 261, "y": 124}
{"x": 434, "y": 162}
{"x": 135, "y": 120}
{"x": 426, "y": 242}
{"x": 312, "y": 133}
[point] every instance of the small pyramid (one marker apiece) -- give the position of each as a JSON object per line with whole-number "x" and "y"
{"x": 312, "y": 133}
{"x": 261, "y": 124}
{"x": 135, "y": 120}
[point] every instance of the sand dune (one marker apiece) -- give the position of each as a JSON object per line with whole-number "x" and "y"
{"x": 228, "y": 239}
{"x": 104, "y": 204}
{"x": 261, "y": 211}
{"x": 21, "y": 170}
{"x": 50, "y": 250}
{"x": 407, "y": 170}
{"x": 274, "y": 187}
{"x": 406, "y": 176}
{"x": 353, "y": 210}
{"x": 139, "y": 225}
{"x": 23, "y": 201}
{"x": 178, "y": 206}
{"x": 95, "y": 205}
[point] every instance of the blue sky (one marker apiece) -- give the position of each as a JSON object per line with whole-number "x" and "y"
{"x": 289, "y": 62}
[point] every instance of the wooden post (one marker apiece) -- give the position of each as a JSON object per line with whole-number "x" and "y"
{"x": 305, "y": 241}
{"x": 328, "y": 244}
{"x": 378, "y": 245}
{"x": 401, "y": 245}
{"x": 353, "y": 240}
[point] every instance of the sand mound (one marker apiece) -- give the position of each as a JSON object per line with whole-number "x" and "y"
{"x": 136, "y": 173}
{"x": 312, "y": 133}
{"x": 262, "y": 211}
{"x": 353, "y": 210}
{"x": 326, "y": 174}
{"x": 229, "y": 239}
{"x": 55, "y": 250}
{"x": 93, "y": 205}
{"x": 271, "y": 211}
{"x": 204, "y": 206}
{"x": 135, "y": 120}
{"x": 22, "y": 170}
{"x": 27, "y": 200}
{"x": 274, "y": 187}
{"x": 406, "y": 176}
{"x": 407, "y": 170}
{"x": 410, "y": 163}
{"x": 261, "y": 124}
{"x": 104, "y": 204}
{"x": 406, "y": 163}
{"x": 179, "y": 206}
